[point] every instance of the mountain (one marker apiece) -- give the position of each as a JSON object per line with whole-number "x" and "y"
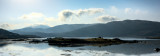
{"x": 67, "y": 28}
{"x": 4, "y": 34}
{"x": 35, "y": 28}
{"x": 55, "y": 29}
{"x": 118, "y": 28}
{"x": 40, "y": 26}
{"x": 126, "y": 28}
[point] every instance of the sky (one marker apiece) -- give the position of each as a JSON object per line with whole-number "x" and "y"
{"x": 16, "y": 14}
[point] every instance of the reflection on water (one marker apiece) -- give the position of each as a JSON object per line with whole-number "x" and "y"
{"x": 43, "y": 49}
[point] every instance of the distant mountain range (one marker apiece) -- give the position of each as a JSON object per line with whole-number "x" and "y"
{"x": 116, "y": 28}
{"x": 4, "y": 34}
{"x": 119, "y": 28}
{"x": 39, "y": 26}
{"x": 55, "y": 29}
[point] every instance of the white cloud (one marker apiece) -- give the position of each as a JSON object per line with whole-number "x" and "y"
{"x": 135, "y": 11}
{"x": 114, "y": 9}
{"x": 106, "y": 18}
{"x": 32, "y": 15}
{"x": 6, "y": 26}
{"x": 65, "y": 14}
{"x": 127, "y": 10}
{"x": 34, "y": 18}
{"x": 90, "y": 11}
{"x": 140, "y": 12}
{"x": 82, "y": 16}
{"x": 51, "y": 19}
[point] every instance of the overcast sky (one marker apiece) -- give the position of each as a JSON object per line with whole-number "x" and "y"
{"x": 15, "y": 14}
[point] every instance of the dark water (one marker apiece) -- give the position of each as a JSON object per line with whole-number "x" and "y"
{"x": 43, "y": 49}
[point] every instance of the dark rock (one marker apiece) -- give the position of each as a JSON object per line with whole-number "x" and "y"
{"x": 100, "y": 37}
{"x": 117, "y": 39}
{"x": 67, "y": 50}
{"x": 66, "y": 54}
{"x": 35, "y": 41}
{"x": 157, "y": 49}
{"x": 19, "y": 40}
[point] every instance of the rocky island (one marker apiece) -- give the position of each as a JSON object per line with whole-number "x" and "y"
{"x": 90, "y": 41}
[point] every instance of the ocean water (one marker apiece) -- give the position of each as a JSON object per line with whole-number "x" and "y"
{"x": 22, "y": 48}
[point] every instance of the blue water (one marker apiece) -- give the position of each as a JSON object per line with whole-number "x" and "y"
{"x": 145, "y": 48}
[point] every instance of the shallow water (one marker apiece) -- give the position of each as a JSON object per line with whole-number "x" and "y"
{"x": 43, "y": 49}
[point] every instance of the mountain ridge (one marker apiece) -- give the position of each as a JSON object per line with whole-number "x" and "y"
{"x": 4, "y": 34}
{"x": 56, "y": 29}
{"x": 120, "y": 28}
{"x": 124, "y": 28}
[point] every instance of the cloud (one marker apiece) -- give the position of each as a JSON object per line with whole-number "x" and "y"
{"x": 65, "y": 14}
{"x": 6, "y": 26}
{"x": 33, "y": 19}
{"x": 32, "y": 15}
{"x": 90, "y": 11}
{"x": 135, "y": 11}
{"x": 106, "y": 18}
{"x": 79, "y": 16}
{"x": 140, "y": 12}
{"x": 51, "y": 19}
{"x": 114, "y": 9}
{"x": 127, "y": 10}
